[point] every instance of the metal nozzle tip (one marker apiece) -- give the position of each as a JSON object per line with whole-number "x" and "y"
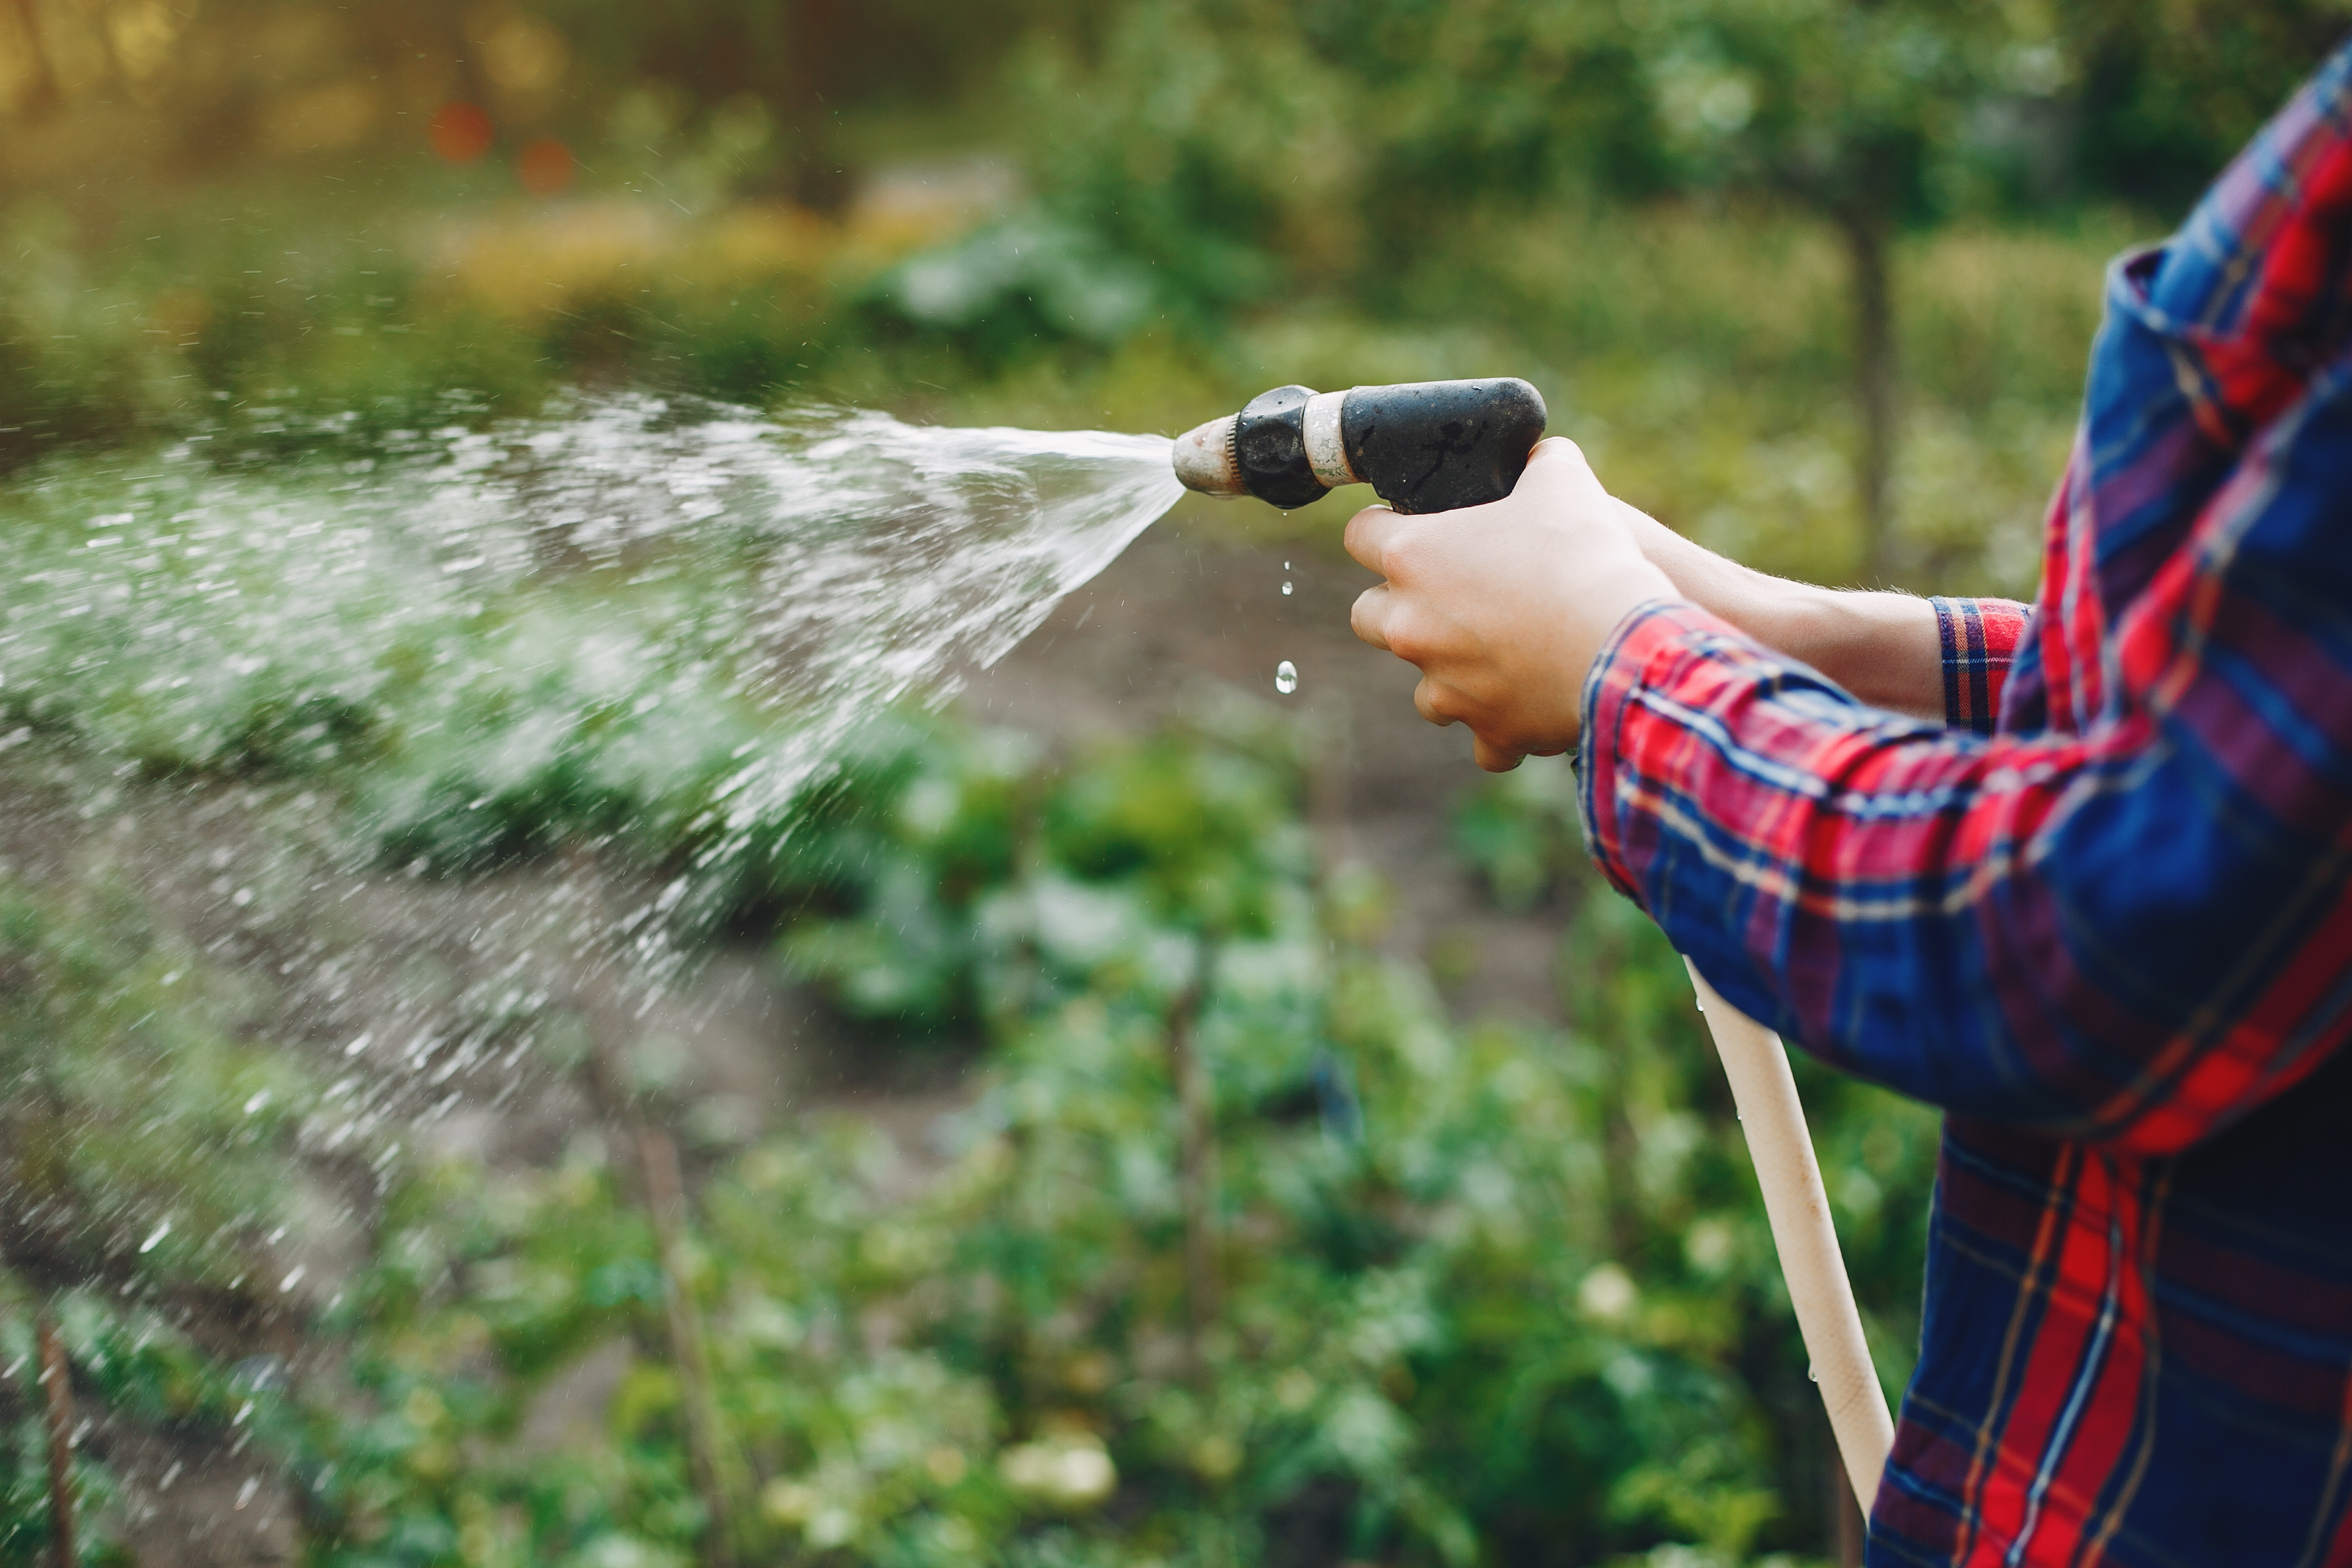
{"x": 1204, "y": 459}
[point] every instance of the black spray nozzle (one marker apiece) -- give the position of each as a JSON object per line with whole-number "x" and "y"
{"x": 1422, "y": 446}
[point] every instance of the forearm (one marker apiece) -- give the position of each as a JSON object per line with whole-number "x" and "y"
{"x": 1884, "y": 649}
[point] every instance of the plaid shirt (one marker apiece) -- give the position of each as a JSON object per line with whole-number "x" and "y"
{"x": 2107, "y": 930}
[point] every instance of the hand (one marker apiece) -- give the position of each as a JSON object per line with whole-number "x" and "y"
{"x": 1503, "y": 606}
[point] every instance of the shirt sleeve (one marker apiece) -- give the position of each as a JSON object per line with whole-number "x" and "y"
{"x": 2134, "y": 933}
{"x": 1980, "y": 637}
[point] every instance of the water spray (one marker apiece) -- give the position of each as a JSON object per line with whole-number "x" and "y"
{"x": 1439, "y": 445}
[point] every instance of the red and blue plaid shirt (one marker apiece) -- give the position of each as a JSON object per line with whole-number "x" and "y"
{"x": 2102, "y": 918}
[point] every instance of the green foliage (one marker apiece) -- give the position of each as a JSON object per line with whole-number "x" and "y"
{"x": 1520, "y": 832}
{"x": 137, "y": 1366}
{"x": 143, "y": 1149}
{"x": 1373, "y": 131}
{"x": 142, "y": 1139}
{"x": 2167, "y": 96}
{"x": 1590, "y": 1286}
{"x": 1484, "y": 1294}
{"x": 1481, "y": 1294}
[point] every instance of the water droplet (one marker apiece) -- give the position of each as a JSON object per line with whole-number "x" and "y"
{"x": 1286, "y": 589}
{"x": 1285, "y": 677}
{"x": 157, "y": 1234}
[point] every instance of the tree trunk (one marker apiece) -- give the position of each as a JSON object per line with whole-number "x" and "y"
{"x": 44, "y": 94}
{"x": 57, "y": 1381}
{"x": 815, "y": 46}
{"x": 1875, "y": 383}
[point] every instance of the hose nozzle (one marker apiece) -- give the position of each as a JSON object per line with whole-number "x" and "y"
{"x": 1422, "y": 446}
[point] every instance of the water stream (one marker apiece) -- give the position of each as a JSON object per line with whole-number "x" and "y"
{"x": 668, "y": 618}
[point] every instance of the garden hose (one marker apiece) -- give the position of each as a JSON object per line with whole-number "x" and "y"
{"x": 1437, "y": 445}
{"x": 1802, "y": 1233}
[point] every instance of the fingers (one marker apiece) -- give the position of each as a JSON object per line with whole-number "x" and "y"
{"x": 1493, "y": 759}
{"x": 1368, "y": 620}
{"x": 1440, "y": 705}
{"x": 1559, "y": 461}
{"x": 1435, "y": 702}
{"x": 1370, "y": 533}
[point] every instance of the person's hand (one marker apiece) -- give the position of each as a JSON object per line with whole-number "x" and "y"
{"x": 1503, "y": 606}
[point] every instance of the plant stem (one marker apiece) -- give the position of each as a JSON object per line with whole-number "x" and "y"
{"x": 709, "y": 1452}
{"x": 662, "y": 1188}
{"x": 1196, "y": 1171}
{"x": 56, "y": 1378}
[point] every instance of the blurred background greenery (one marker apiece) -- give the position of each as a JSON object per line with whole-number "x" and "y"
{"x": 1245, "y": 1239}
{"x": 1836, "y": 262}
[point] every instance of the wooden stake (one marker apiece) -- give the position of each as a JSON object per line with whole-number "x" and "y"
{"x": 1797, "y": 1203}
{"x": 56, "y": 1379}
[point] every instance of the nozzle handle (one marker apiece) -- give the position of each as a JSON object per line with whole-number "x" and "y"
{"x": 1425, "y": 446}
{"x": 1437, "y": 445}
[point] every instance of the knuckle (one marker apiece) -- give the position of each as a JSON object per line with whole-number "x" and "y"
{"x": 1560, "y": 449}
{"x": 1406, "y": 554}
{"x": 1362, "y": 537}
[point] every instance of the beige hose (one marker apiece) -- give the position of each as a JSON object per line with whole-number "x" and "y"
{"x": 1799, "y": 1208}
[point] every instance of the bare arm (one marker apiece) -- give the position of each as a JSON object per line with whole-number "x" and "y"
{"x": 1883, "y": 647}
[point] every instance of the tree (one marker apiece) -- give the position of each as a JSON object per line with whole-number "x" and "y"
{"x": 1855, "y": 109}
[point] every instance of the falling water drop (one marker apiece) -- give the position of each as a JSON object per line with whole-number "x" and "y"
{"x": 1285, "y": 677}
{"x": 1285, "y": 590}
